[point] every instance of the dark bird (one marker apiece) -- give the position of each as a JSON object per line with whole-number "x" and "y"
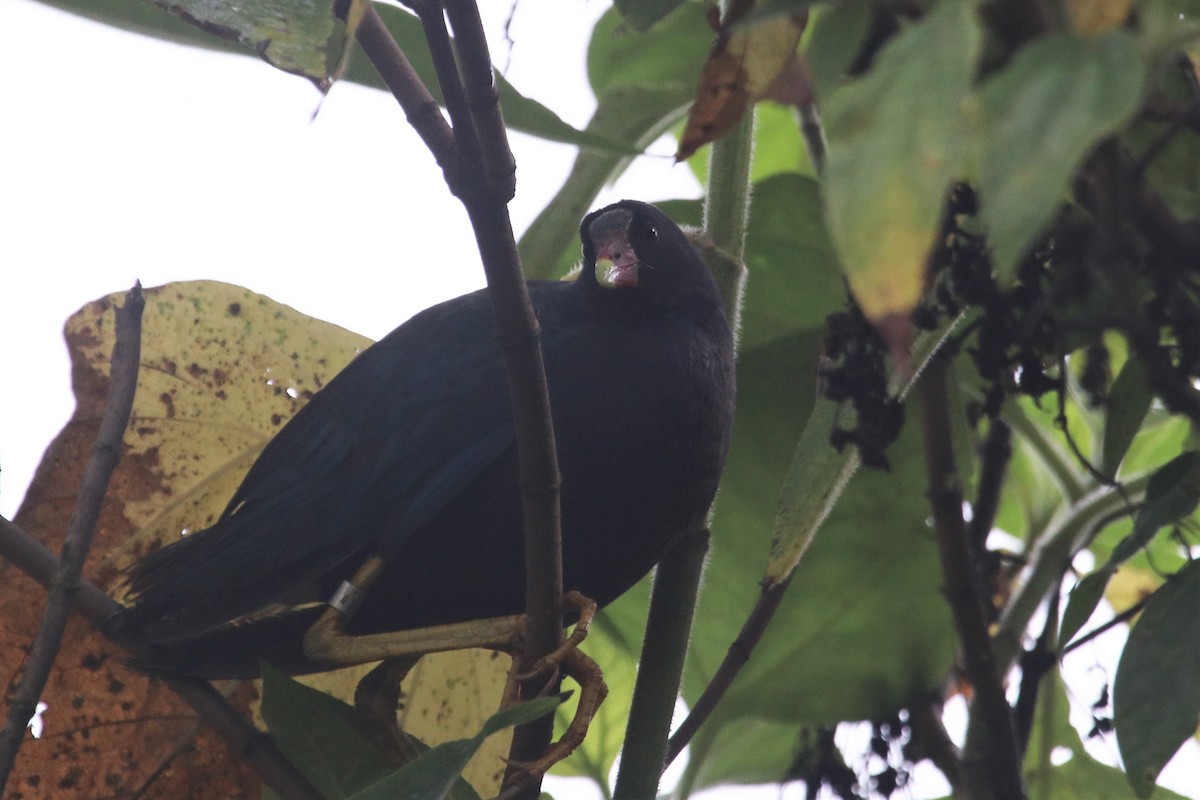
{"x": 410, "y": 454}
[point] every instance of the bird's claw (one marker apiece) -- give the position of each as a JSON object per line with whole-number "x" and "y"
{"x": 568, "y": 659}
{"x": 549, "y": 664}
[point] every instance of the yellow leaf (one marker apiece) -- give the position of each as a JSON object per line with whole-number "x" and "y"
{"x": 744, "y": 66}
{"x": 1093, "y": 17}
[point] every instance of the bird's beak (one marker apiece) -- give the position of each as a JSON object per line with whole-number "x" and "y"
{"x": 616, "y": 262}
{"x": 618, "y": 269}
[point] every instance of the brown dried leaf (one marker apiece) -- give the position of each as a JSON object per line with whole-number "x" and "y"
{"x": 747, "y": 64}
{"x": 203, "y": 408}
{"x": 222, "y": 370}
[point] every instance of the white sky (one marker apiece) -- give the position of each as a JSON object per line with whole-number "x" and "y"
{"x": 125, "y": 158}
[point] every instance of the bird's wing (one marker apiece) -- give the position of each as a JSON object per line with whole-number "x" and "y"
{"x": 403, "y": 430}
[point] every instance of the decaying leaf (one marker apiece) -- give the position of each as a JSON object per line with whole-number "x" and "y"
{"x": 897, "y": 139}
{"x": 298, "y": 36}
{"x": 1093, "y": 17}
{"x": 747, "y": 63}
{"x": 222, "y": 370}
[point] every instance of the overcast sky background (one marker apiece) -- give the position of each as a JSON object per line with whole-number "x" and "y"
{"x": 127, "y": 158}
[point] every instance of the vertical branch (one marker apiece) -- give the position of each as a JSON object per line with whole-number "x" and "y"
{"x": 482, "y": 176}
{"x": 475, "y": 67}
{"x": 106, "y": 451}
{"x": 677, "y": 580}
{"x": 994, "y": 771}
{"x": 676, "y": 585}
{"x": 485, "y": 198}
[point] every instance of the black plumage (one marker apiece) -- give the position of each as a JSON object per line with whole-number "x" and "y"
{"x": 410, "y": 453}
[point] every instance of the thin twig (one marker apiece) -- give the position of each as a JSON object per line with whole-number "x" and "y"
{"x": 1123, "y": 617}
{"x": 997, "y": 773}
{"x": 251, "y": 745}
{"x": 106, "y": 452}
{"x": 737, "y": 656}
{"x": 460, "y": 176}
{"x": 1035, "y": 663}
{"x": 419, "y": 105}
{"x": 994, "y": 458}
{"x": 31, "y": 557}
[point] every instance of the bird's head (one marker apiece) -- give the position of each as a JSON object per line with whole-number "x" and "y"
{"x": 632, "y": 248}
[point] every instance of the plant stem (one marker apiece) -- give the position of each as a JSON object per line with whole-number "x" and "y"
{"x": 677, "y": 580}
{"x": 993, "y": 770}
{"x": 1051, "y": 553}
{"x": 727, "y": 199}
{"x": 661, "y": 667}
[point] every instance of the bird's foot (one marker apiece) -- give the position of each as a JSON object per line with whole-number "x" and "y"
{"x": 548, "y": 665}
{"x": 592, "y": 691}
{"x": 572, "y": 661}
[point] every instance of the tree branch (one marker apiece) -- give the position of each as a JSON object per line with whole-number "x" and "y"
{"x": 479, "y": 85}
{"x": 676, "y": 583}
{"x": 482, "y": 178}
{"x": 70, "y": 592}
{"x": 251, "y": 745}
{"x": 739, "y": 653}
{"x": 106, "y": 452}
{"x": 419, "y": 106}
{"x": 994, "y": 771}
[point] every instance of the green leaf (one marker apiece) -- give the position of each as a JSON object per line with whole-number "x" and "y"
{"x": 794, "y": 280}
{"x": 875, "y": 562}
{"x": 1172, "y": 494}
{"x": 641, "y": 14}
{"x": 897, "y": 138}
{"x": 1156, "y": 695}
{"x": 669, "y": 54}
{"x": 321, "y": 736}
{"x": 433, "y": 774}
{"x": 1081, "y": 777}
{"x": 298, "y": 36}
{"x": 1041, "y": 115}
{"x": 836, "y": 38}
{"x": 1128, "y": 403}
{"x": 520, "y": 112}
{"x": 1082, "y": 602}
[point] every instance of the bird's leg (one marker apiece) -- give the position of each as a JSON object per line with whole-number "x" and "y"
{"x": 567, "y": 658}
{"x": 377, "y": 698}
{"x": 328, "y": 642}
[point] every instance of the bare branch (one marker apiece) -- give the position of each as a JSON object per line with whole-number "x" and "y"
{"x": 483, "y": 157}
{"x": 419, "y": 105}
{"x": 995, "y": 771}
{"x": 106, "y": 452}
{"x": 735, "y": 658}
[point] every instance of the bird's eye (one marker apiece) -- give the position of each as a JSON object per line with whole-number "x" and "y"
{"x": 647, "y": 235}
